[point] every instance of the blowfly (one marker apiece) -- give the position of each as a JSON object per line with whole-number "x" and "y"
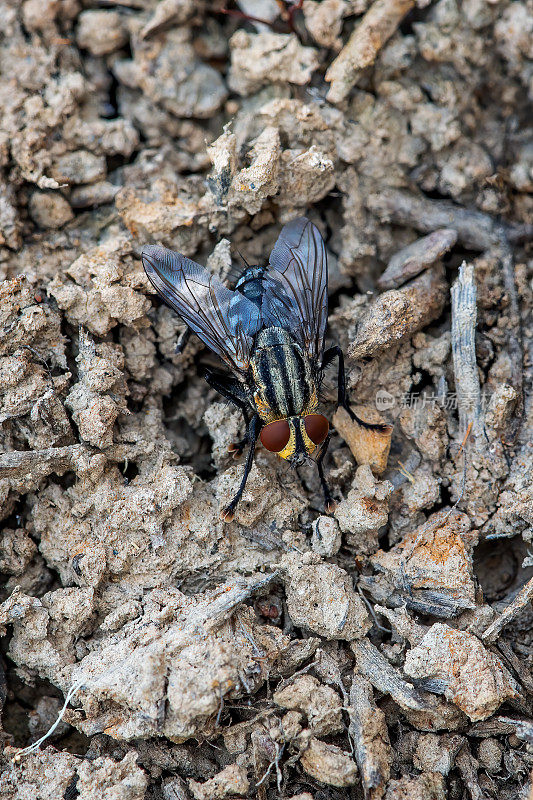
{"x": 269, "y": 331}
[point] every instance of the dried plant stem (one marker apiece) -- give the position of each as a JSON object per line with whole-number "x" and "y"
{"x": 467, "y": 766}
{"x": 368, "y": 730}
{"x": 53, "y": 459}
{"x": 361, "y": 49}
{"x": 514, "y": 343}
{"x": 464, "y": 318}
{"x": 475, "y": 229}
{"x": 35, "y": 746}
{"x": 524, "y": 595}
{"x": 375, "y": 668}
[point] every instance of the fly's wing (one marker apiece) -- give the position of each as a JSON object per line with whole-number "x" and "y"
{"x": 296, "y": 286}
{"x": 224, "y": 320}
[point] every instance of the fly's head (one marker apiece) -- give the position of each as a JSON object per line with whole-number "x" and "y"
{"x": 295, "y": 438}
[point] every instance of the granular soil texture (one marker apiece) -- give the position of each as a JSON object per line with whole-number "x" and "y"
{"x": 384, "y": 650}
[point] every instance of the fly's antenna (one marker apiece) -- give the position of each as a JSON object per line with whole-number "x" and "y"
{"x": 247, "y": 265}
{"x": 236, "y": 272}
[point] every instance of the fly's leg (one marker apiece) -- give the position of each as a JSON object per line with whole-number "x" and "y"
{"x": 251, "y": 436}
{"x": 232, "y": 391}
{"x": 237, "y": 448}
{"x": 329, "y": 356}
{"x": 329, "y": 502}
{"x": 229, "y": 388}
{"x": 182, "y": 341}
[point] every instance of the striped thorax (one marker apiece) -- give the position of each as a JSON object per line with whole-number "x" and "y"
{"x": 283, "y": 379}
{"x": 284, "y": 387}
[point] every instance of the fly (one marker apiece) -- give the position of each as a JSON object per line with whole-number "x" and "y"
{"x": 269, "y": 331}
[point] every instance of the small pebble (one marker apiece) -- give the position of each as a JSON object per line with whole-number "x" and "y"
{"x": 327, "y": 538}
{"x": 49, "y": 210}
{"x": 101, "y": 32}
{"x": 490, "y": 754}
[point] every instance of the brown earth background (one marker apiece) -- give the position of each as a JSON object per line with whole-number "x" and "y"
{"x": 384, "y": 651}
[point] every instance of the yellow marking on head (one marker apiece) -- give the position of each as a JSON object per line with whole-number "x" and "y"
{"x": 290, "y": 448}
{"x": 309, "y": 445}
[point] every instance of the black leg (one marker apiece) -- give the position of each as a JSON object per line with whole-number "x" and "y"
{"x": 251, "y": 435}
{"x": 329, "y": 502}
{"x": 329, "y": 356}
{"x": 232, "y": 391}
{"x": 182, "y": 341}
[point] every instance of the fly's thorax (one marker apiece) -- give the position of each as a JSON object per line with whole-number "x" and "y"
{"x": 284, "y": 383}
{"x": 270, "y": 337}
{"x": 250, "y": 284}
{"x": 251, "y": 273}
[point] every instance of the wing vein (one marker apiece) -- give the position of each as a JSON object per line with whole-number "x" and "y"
{"x": 296, "y": 285}
{"x": 210, "y": 309}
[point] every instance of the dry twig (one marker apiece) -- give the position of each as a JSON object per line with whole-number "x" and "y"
{"x": 513, "y": 609}
{"x": 416, "y": 257}
{"x": 375, "y": 667}
{"x": 475, "y": 229}
{"x": 468, "y": 766}
{"x": 464, "y": 317}
{"x": 368, "y": 730}
{"x": 361, "y": 49}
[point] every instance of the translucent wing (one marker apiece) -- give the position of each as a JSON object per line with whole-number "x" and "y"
{"x": 296, "y": 286}
{"x": 224, "y": 320}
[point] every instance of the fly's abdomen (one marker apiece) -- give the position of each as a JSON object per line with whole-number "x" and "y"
{"x": 282, "y": 375}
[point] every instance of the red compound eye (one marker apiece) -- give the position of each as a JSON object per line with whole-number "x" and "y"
{"x": 275, "y": 435}
{"x": 316, "y": 427}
